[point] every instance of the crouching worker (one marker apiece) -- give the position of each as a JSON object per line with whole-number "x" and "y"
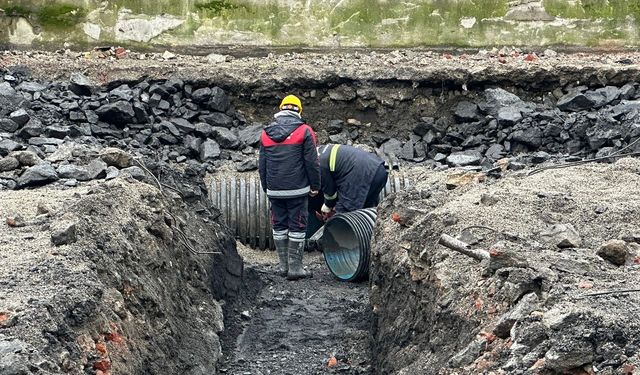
{"x": 352, "y": 179}
{"x": 289, "y": 173}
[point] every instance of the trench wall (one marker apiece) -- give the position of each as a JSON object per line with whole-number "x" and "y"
{"x": 320, "y": 23}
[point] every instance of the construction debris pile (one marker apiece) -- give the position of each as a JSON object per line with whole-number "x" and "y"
{"x": 525, "y": 274}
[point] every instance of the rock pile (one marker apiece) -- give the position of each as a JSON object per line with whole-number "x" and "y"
{"x": 174, "y": 121}
{"x": 74, "y": 131}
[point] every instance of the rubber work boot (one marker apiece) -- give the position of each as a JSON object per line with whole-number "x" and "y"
{"x": 282, "y": 247}
{"x": 296, "y": 269}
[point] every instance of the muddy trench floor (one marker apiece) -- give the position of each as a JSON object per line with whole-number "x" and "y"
{"x": 295, "y": 327}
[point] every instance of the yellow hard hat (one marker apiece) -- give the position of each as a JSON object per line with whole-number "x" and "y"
{"x": 291, "y": 102}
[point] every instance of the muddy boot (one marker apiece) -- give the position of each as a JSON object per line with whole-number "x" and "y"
{"x": 296, "y": 269}
{"x": 282, "y": 247}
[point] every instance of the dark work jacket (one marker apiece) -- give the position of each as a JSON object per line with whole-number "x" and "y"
{"x": 346, "y": 187}
{"x": 288, "y": 157}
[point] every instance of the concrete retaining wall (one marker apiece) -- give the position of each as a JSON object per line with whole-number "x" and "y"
{"x": 321, "y": 23}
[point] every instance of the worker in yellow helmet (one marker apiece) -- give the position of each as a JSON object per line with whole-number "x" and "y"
{"x": 289, "y": 174}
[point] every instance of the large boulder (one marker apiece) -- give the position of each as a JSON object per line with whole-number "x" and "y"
{"x": 250, "y": 135}
{"x": 80, "y": 85}
{"x": 466, "y": 112}
{"x": 209, "y": 150}
{"x": 219, "y": 100}
{"x": 575, "y": 101}
{"x": 118, "y": 113}
{"x": 37, "y": 175}
{"x": 497, "y": 99}
{"x": 226, "y": 138}
{"x": 218, "y": 119}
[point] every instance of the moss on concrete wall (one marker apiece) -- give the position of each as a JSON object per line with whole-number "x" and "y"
{"x": 324, "y": 22}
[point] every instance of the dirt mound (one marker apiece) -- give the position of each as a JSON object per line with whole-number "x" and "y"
{"x": 103, "y": 279}
{"x": 552, "y": 242}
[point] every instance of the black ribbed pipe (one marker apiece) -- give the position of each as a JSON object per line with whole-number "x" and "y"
{"x": 245, "y": 207}
{"x": 346, "y": 244}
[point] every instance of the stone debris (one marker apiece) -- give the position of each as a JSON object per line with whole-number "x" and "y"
{"x": 614, "y": 252}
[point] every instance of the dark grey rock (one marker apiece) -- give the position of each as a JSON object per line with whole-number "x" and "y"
{"x": 20, "y": 116}
{"x": 340, "y": 138}
{"x": 201, "y": 96}
{"x": 610, "y": 93}
{"x": 142, "y": 117}
{"x": 209, "y": 150}
{"x": 8, "y": 126}
{"x": 466, "y": 112}
{"x": 203, "y": 129}
{"x": 170, "y": 127}
{"x": 164, "y": 105}
{"x": 183, "y": 125}
{"x": 335, "y": 126}
{"x": 158, "y": 89}
{"x": 92, "y": 117}
{"x": 392, "y": 147}
{"x": 192, "y": 144}
{"x": 508, "y": 116}
{"x": 57, "y": 131}
{"x": 226, "y": 138}
{"x": 523, "y": 308}
{"x": 219, "y": 100}
{"x": 407, "y": 151}
{"x": 250, "y": 135}
{"x": 7, "y": 90}
{"x": 570, "y": 355}
{"x": 122, "y": 92}
{"x": 218, "y": 119}
{"x": 154, "y": 100}
{"x": 77, "y": 116}
{"x": 37, "y": 175}
{"x": 69, "y": 106}
{"x": 575, "y": 101}
{"x": 118, "y": 113}
{"x": 497, "y": 99}
{"x": 33, "y": 128}
{"x": 247, "y": 165}
{"x": 8, "y": 163}
{"x": 464, "y": 158}
{"x": 30, "y": 87}
{"x": 627, "y": 91}
{"x": 7, "y": 146}
{"x": 97, "y": 169}
{"x": 625, "y": 107}
{"x": 423, "y": 126}
{"x": 531, "y": 137}
{"x": 605, "y": 151}
{"x": 63, "y": 233}
{"x": 80, "y": 84}
{"x": 540, "y": 157}
{"x": 495, "y": 152}
{"x": 74, "y": 171}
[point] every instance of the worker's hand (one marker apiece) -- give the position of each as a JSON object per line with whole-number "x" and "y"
{"x": 325, "y": 209}
{"x": 313, "y": 193}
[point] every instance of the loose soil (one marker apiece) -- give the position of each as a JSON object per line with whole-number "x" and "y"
{"x": 295, "y": 327}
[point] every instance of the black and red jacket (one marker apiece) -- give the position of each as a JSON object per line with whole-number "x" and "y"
{"x": 289, "y": 165}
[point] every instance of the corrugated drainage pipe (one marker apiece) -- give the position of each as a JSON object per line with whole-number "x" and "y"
{"x": 245, "y": 207}
{"x": 346, "y": 243}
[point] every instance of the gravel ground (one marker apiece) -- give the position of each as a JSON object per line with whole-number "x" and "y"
{"x": 282, "y": 70}
{"x": 296, "y": 327}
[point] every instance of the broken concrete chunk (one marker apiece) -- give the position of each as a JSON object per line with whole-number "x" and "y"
{"x": 562, "y": 236}
{"x": 15, "y": 221}
{"x": 63, "y": 232}
{"x": 614, "y": 252}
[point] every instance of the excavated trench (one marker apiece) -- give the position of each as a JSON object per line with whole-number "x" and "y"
{"x": 322, "y": 325}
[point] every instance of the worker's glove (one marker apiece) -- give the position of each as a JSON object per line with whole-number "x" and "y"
{"x": 325, "y": 209}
